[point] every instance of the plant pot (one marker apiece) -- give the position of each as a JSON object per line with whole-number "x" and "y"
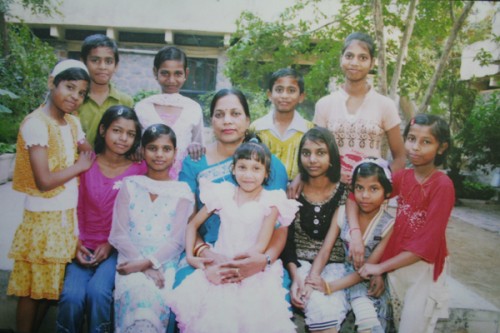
{"x": 6, "y": 167}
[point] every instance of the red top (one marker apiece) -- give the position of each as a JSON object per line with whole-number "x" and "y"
{"x": 422, "y": 216}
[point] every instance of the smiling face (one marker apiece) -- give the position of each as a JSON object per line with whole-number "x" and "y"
{"x": 119, "y": 136}
{"x": 422, "y": 146}
{"x": 356, "y": 61}
{"x": 285, "y": 94}
{"x": 159, "y": 154}
{"x": 68, "y": 95}
{"x": 171, "y": 76}
{"x": 369, "y": 194}
{"x": 101, "y": 65}
{"x": 315, "y": 158}
{"x": 249, "y": 174}
{"x": 229, "y": 121}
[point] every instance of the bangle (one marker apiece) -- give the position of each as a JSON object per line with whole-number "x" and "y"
{"x": 199, "y": 248}
{"x": 351, "y": 230}
{"x": 268, "y": 263}
{"x": 328, "y": 291}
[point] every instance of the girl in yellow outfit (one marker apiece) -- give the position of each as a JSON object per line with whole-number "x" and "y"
{"x": 47, "y": 146}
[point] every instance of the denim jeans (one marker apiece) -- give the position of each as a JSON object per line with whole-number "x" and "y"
{"x": 87, "y": 291}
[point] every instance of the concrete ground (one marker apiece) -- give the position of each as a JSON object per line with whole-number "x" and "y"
{"x": 466, "y": 301}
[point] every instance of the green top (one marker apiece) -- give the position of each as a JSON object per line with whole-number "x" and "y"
{"x": 90, "y": 112}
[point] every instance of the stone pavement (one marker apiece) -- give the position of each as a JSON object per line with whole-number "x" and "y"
{"x": 470, "y": 313}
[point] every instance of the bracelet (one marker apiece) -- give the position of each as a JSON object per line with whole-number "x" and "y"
{"x": 328, "y": 291}
{"x": 351, "y": 230}
{"x": 199, "y": 248}
{"x": 268, "y": 263}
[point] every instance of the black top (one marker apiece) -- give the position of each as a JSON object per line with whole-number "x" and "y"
{"x": 307, "y": 232}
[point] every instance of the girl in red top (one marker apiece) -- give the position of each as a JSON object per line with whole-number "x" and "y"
{"x": 415, "y": 257}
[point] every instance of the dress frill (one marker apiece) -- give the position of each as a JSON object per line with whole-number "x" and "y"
{"x": 257, "y": 304}
{"x": 45, "y": 237}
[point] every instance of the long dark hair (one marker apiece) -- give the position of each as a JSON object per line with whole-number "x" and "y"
{"x": 321, "y": 134}
{"x": 439, "y": 129}
{"x": 113, "y": 113}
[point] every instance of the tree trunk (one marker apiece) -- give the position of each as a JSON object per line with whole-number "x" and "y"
{"x": 379, "y": 36}
{"x": 444, "y": 58}
{"x": 409, "y": 23}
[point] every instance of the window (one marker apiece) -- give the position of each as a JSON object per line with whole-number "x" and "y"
{"x": 198, "y": 40}
{"x": 75, "y": 34}
{"x": 201, "y": 78}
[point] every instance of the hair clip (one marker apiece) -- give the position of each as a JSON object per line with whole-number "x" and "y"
{"x": 380, "y": 162}
{"x": 412, "y": 121}
{"x": 254, "y": 140}
{"x": 120, "y": 111}
{"x": 153, "y": 129}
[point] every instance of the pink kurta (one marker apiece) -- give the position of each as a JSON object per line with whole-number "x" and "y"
{"x": 97, "y": 194}
{"x": 188, "y": 126}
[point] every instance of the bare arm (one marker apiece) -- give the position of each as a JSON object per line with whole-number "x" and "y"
{"x": 326, "y": 248}
{"x": 356, "y": 246}
{"x": 401, "y": 260}
{"x": 45, "y": 179}
{"x": 397, "y": 147}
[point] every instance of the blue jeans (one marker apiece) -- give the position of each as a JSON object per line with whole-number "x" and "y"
{"x": 87, "y": 291}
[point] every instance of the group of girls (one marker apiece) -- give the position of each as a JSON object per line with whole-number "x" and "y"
{"x": 338, "y": 249}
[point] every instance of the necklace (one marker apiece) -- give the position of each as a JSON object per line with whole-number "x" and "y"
{"x": 426, "y": 177}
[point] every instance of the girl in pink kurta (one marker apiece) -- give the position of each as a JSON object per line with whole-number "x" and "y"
{"x": 181, "y": 113}
{"x": 89, "y": 282}
{"x": 248, "y": 216}
{"x": 415, "y": 256}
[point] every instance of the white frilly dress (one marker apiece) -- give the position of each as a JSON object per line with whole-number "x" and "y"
{"x": 257, "y": 304}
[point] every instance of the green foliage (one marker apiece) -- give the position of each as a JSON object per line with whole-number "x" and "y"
{"x": 473, "y": 190}
{"x": 24, "y": 74}
{"x": 6, "y": 148}
{"x": 259, "y": 47}
{"x": 141, "y": 94}
{"x": 480, "y": 135}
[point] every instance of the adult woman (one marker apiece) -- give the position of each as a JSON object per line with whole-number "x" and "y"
{"x": 230, "y": 117}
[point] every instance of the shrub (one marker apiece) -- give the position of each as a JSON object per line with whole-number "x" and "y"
{"x": 474, "y": 190}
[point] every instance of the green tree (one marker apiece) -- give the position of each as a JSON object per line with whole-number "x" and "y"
{"x": 24, "y": 67}
{"x": 480, "y": 136}
{"x": 429, "y": 30}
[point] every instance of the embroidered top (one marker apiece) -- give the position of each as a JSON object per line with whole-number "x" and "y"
{"x": 358, "y": 135}
{"x": 422, "y": 216}
{"x": 307, "y": 233}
